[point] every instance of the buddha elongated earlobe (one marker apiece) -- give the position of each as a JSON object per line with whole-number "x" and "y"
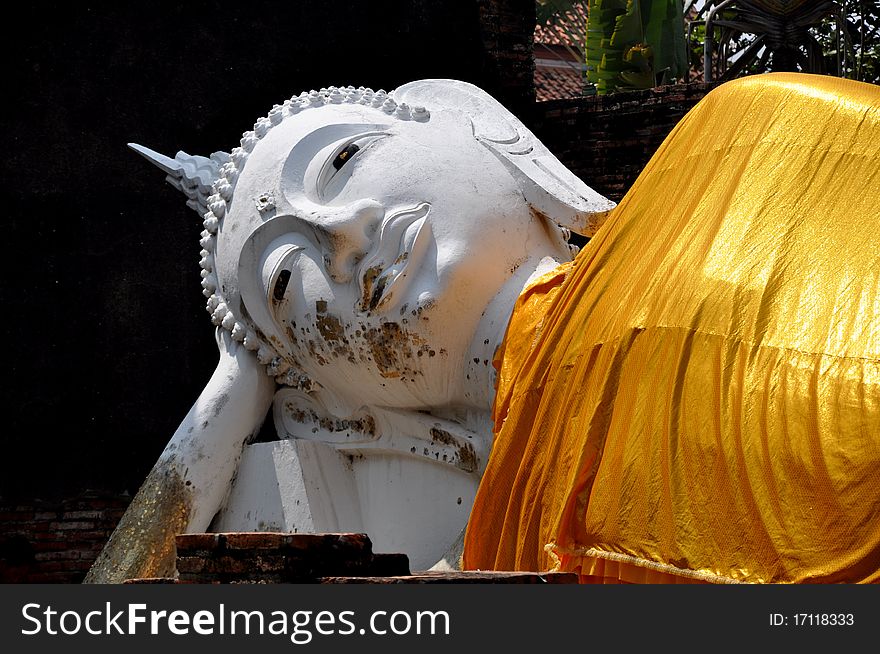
{"x": 547, "y": 185}
{"x": 553, "y": 190}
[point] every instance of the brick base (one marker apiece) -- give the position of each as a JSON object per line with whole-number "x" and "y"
{"x": 269, "y": 557}
{"x": 273, "y": 558}
{"x": 463, "y": 577}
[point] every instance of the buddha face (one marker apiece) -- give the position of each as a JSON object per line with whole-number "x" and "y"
{"x": 365, "y": 250}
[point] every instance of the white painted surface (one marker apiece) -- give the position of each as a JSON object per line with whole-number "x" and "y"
{"x": 291, "y": 485}
{"x": 307, "y": 487}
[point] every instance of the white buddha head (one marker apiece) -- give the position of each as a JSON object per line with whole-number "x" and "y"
{"x": 356, "y": 239}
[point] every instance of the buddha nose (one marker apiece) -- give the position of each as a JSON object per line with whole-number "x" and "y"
{"x": 350, "y": 232}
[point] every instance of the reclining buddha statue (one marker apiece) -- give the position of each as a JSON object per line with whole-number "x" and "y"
{"x": 693, "y": 397}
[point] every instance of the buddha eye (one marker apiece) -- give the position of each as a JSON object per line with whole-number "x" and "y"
{"x": 335, "y": 172}
{"x": 345, "y": 155}
{"x": 280, "y": 285}
{"x": 278, "y": 273}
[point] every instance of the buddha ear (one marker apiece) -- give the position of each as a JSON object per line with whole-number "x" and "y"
{"x": 547, "y": 185}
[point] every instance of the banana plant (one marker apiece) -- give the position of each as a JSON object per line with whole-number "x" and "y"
{"x": 635, "y": 44}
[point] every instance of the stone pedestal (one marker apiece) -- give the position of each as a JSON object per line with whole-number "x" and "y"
{"x": 338, "y": 558}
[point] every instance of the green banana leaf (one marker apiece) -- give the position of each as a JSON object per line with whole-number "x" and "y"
{"x": 634, "y": 44}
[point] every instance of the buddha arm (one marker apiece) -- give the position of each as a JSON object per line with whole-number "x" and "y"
{"x": 190, "y": 481}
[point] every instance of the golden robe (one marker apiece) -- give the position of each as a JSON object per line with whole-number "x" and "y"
{"x": 697, "y": 396}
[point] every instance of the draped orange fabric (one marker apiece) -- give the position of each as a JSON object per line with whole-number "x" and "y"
{"x": 697, "y": 396}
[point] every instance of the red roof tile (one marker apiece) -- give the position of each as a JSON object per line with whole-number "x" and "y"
{"x": 556, "y": 83}
{"x": 552, "y": 33}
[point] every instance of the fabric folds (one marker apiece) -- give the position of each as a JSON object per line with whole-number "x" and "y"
{"x": 697, "y": 396}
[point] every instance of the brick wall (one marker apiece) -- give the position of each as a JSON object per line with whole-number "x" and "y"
{"x": 43, "y": 542}
{"x": 607, "y": 140}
